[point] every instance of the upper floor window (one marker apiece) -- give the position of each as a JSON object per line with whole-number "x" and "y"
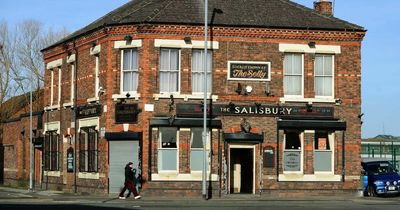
{"x": 293, "y": 75}
{"x": 72, "y": 82}
{"x": 198, "y": 71}
{"x": 88, "y": 150}
{"x": 169, "y": 70}
{"x": 323, "y": 82}
{"x": 130, "y": 70}
{"x": 51, "y": 151}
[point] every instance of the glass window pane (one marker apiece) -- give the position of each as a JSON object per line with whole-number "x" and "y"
{"x": 197, "y": 138}
{"x": 164, "y": 60}
{"x": 292, "y": 140}
{"x": 174, "y": 59}
{"x": 167, "y": 159}
{"x": 297, "y": 67}
{"x": 318, "y": 65}
{"x": 127, "y": 59}
{"x": 328, "y": 65}
{"x": 168, "y": 137}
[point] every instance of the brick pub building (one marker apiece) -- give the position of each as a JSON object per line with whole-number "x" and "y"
{"x": 283, "y": 100}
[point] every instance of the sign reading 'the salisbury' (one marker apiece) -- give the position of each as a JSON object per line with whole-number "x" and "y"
{"x": 196, "y": 110}
{"x": 249, "y": 70}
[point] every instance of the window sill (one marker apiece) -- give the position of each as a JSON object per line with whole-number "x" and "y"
{"x": 93, "y": 100}
{"x": 317, "y": 177}
{"x": 88, "y": 175}
{"x": 69, "y": 104}
{"x": 52, "y": 173}
{"x": 136, "y": 96}
{"x": 171, "y": 176}
{"x": 186, "y": 97}
{"x": 51, "y": 108}
{"x": 307, "y": 100}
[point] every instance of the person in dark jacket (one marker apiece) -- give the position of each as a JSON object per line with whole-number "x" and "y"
{"x": 129, "y": 182}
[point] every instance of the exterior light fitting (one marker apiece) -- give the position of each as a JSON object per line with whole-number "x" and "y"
{"x": 187, "y": 40}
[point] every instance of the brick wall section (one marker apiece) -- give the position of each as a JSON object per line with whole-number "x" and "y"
{"x": 249, "y": 44}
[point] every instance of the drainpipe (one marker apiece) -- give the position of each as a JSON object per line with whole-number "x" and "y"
{"x": 343, "y": 156}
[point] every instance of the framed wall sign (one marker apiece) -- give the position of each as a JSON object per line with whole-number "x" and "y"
{"x": 249, "y": 70}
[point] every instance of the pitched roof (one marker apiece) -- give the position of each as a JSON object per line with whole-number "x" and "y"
{"x": 244, "y": 13}
{"x": 19, "y": 105}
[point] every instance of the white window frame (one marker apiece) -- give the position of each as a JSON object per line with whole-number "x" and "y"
{"x": 177, "y": 151}
{"x": 72, "y": 82}
{"x": 302, "y": 77}
{"x": 209, "y": 83}
{"x": 200, "y": 149}
{"x": 333, "y": 77}
{"x": 96, "y": 72}
{"x": 128, "y": 70}
{"x": 59, "y": 87}
{"x": 331, "y": 140}
{"x": 301, "y": 136}
{"x": 52, "y": 87}
{"x": 179, "y": 71}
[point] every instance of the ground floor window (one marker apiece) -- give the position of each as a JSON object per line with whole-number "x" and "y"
{"x": 51, "y": 151}
{"x": 168, "y": 149}
{"x": 292, "y": 153}
{"x": 196, "y": 148}
{"x": 88, "y": 150}
{"x": 323, "y": 151}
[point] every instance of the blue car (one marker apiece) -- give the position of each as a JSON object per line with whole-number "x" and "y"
{"x": 383, "y": 179}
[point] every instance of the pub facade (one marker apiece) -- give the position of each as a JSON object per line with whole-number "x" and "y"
{"x": 283, "y": 100}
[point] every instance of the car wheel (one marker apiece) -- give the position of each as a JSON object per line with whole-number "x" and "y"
{"x": 371, "y": 191}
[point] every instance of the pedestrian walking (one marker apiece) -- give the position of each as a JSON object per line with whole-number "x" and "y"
{"x": 129, "y": 182}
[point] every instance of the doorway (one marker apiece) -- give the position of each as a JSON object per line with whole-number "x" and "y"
{"x": 241, "y": 170}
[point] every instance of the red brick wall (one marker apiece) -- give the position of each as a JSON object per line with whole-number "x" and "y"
{"x": 246, "y": 44}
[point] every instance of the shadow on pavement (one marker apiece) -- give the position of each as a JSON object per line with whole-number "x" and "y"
{"x": 54, "y": 206}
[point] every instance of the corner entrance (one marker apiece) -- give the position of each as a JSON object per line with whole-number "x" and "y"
{"x": 241, "y": 169}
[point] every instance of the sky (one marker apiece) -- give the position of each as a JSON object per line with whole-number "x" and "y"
{"x": 380, "y": 55}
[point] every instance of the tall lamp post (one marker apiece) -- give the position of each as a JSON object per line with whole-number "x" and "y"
{"x": 204, "y": 174}
{"x": 31, "y": 165}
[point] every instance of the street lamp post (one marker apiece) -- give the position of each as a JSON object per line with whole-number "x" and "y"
{"x": 204, "y": 174}
{"x": 31, "y": 165}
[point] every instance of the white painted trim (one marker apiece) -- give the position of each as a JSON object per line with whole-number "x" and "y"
{"x": 54, "y": 64}
{"x": 88, "y": 175}
{"x": 10, "y": 169}
{"x": 302, "y": 80}
{"x": 87, "y": 122}
{"x": 310, "y": 100}
{"x": 309, "y": 178}
{"x": 171, "y": 43}
{"x": 52, "y": 126}
{"x": 69, "y": 104}
{"x": 301, "y": 155}
{"x": 95, "y": 50}
{"x": 304, "y": 48}
{"x": 96, "y": 77}
{"x": 71, "y": 58}
{"x": 177, "y": 152}
{"x": 249, "y": 62}
{"x": 72, "y": 82}
{"x": 124, "y": 44}
{"x": 121, "y": 88}
{"x": 186, "y": 97}
{"x": 331, "y": 97}
{"x": 59, "y": 87}
{"x": 53, "y": 107}
{"x": 92, "y": 100}
{"x": 51, "y": 88}
{"x": 246, "y": 146}
{"x": 52, "y": 173}
{"x": 171, "y": 176}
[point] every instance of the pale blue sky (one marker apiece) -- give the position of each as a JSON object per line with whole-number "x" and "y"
{"x": 380, "y": 56}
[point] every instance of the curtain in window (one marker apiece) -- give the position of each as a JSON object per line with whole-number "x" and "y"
{"x": 198, "y": 71}
{"x": 323, "y": 75}
{"x": 169, "y": 70}
{"x": 293, "y": 74}
{"x": 196, "y": 149}
{"x": 130, "y": 70}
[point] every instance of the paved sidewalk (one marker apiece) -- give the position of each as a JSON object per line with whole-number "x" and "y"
{"x": 13, "y": 193}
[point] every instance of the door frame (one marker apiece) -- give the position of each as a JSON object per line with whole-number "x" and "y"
{"x": 242, "y": 146}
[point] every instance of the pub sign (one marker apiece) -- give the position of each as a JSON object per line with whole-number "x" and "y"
{"x": 249, "y": 70}
{"x": 126, "y": 113}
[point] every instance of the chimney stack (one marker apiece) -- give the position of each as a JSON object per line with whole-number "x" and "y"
{"x": 324, "y": 7}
